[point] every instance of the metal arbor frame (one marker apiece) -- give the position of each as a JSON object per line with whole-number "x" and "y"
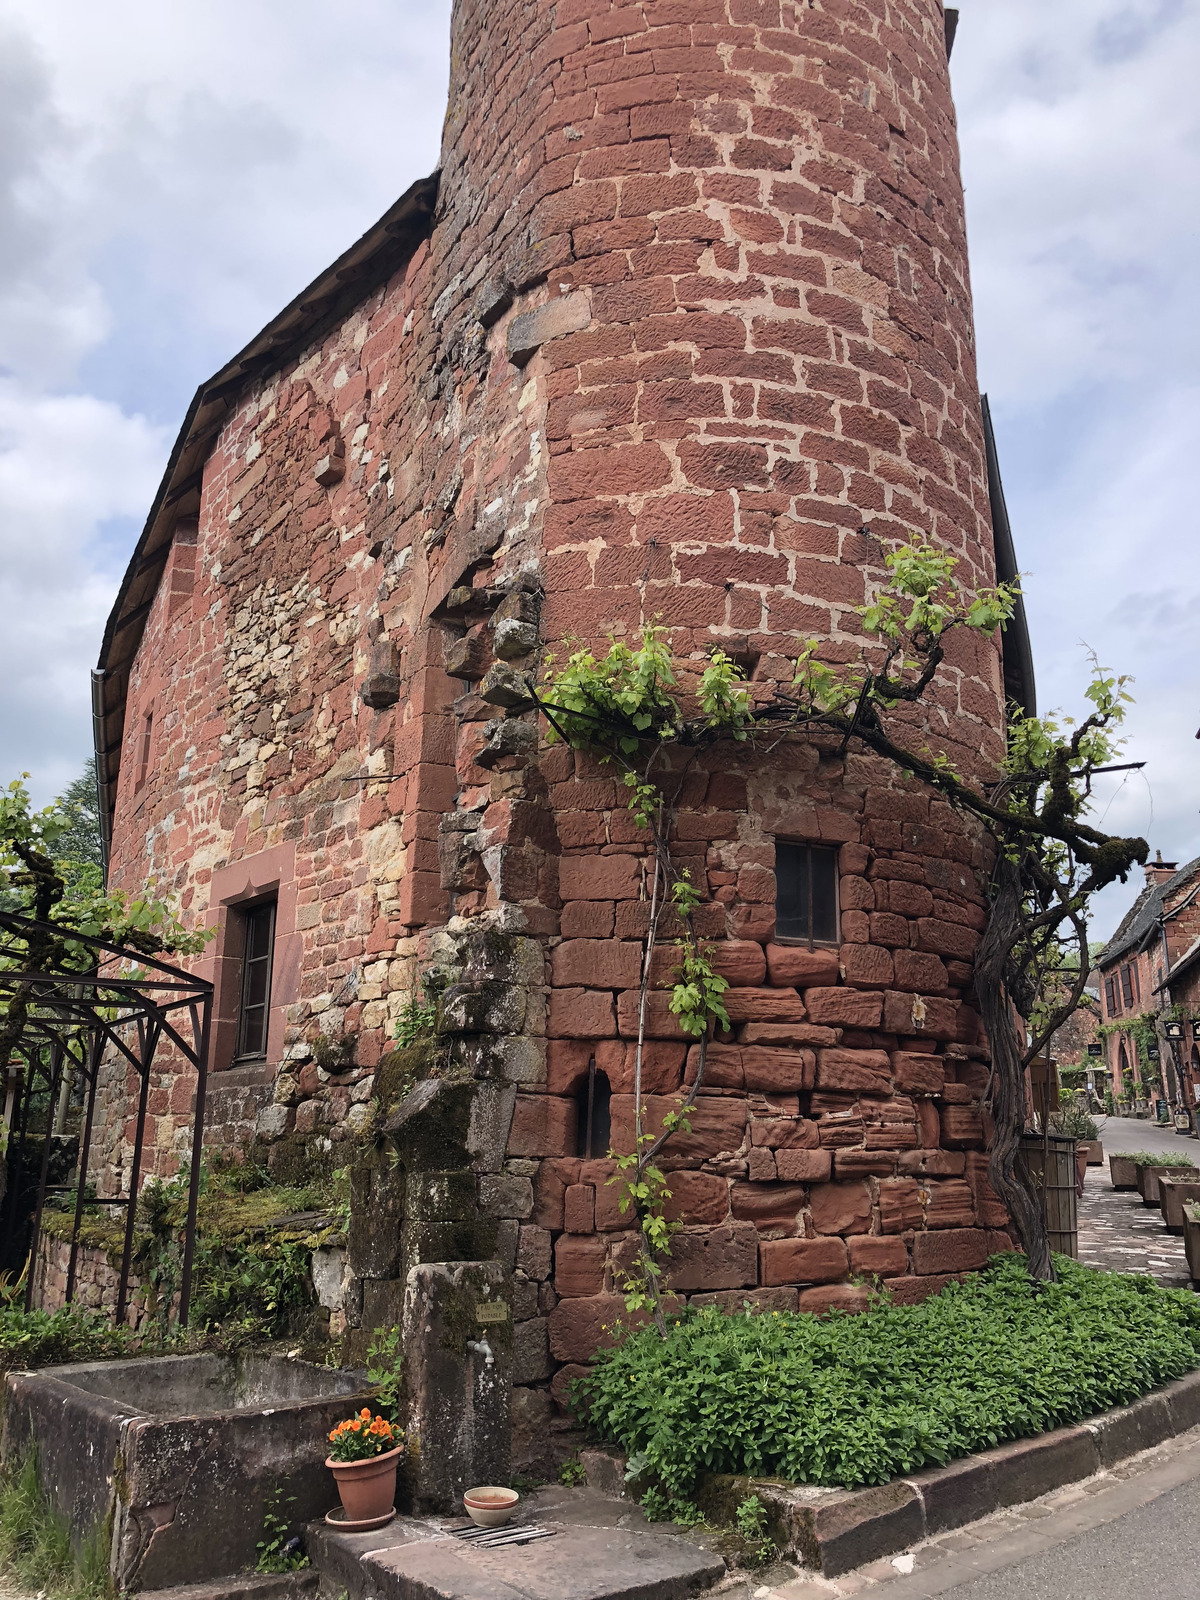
{"x": 81, "y": 1017}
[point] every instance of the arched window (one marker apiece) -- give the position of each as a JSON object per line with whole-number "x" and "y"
{"x": 594, "y": 1097}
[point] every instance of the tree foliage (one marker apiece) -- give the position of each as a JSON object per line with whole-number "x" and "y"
{"x": 637, "y": 705}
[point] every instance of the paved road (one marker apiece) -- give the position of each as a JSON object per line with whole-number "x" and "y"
{"x": 1120, "y": 1134}
{"x": 1129, "y": 1533}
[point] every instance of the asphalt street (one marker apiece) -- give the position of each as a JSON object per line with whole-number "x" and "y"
{"x": 1147, "y": 1554}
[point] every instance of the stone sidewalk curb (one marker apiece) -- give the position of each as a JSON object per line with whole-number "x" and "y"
{"x": 834, "y": 1531}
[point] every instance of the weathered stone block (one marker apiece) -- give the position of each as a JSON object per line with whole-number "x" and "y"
{"x": 866, "y": 1072}
{"x": 840, "y": 1208}
{"x": 724, "y": 1257}
{"x": 844, "y": 1008}
{"x": 800, "y": 968}
{"x": 802, "y": 1261}
{"x": 955, "y": 1250}
{"x": 773, "y": 1208}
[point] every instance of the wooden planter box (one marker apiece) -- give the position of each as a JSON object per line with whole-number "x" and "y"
{"x": 1148, "y": 1175}
{"x": 1174, "y": 1193}
{"x": 1191, "y": 1243}
{"x": 1095, "y": 1152}
{"x": 1123, "y": 1172}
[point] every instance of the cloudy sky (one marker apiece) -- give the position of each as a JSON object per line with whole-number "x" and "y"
{"x": 170, "y": 176}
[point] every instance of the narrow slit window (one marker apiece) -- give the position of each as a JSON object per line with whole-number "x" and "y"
{"x": 257, "y": 958}
{"x": 143, "y": 766}
{"x": 806, "y": 902}
{"x": 595, "y": 1113}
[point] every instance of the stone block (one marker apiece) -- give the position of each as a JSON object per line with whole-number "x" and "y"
{"x": 722, "y": 1066}
{"x": 949, "y": 1204}
{"x": 803, "y": 1166}
{"x": 725, "y": 1257}
{"x": 778, "y": 1071}
{"x": 741, "y": 962}
{"x": 569, "y": 313}
{"x": 501, "y": 1194}
{"x": 773, "y": 1208}
{"x": 836, "y": 1297}
{"x": 867, "y": 1072}
{"x": 464, "y": 1424}
{"x": 782, "y": 1034}
{"x": 802, "y": 1261}
{"x": 879, "y": 1258}
{"x": 697, "y": 1197}
{"x": 581, "y": 1014}
{"x": 866, "y": 966}
{"x": 764, "y": 1005}
{"x": 596, "y": 964}
{"x": 962, "y": 1127}
{"x": 531, "y": 1352}
{"x": 954, "y": 1250}
{"x": 580, "y": 1327}
{"x": 599, "y": 877}
{"x": 900, "y": 1208}
{"x": 800, "y": 968}
{"x": 579, "y": 1263}
{"x": 579, "y": 1208}
{"x": 840, "y": 1208}
{"x": 543, "y": 1125}
{"x": 549, "y": 1189}
{"x": 844, "y": 1008}
{"x": 915, "y": 1074}
{"x": 534, "y": 1251}
{"x": 785, "y": 1133}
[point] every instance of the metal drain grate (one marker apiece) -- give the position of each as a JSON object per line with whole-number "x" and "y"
{"x": 494, "y": 1538}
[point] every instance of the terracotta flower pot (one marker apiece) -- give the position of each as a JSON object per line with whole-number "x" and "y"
{"x": 367, "y": 1488}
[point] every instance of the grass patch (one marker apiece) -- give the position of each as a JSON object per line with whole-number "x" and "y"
{"x": 848, "y": 1400}
{"x": 35, "y": 1548}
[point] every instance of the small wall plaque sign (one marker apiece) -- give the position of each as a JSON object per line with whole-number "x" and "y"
{"x": 491, "y": 1311}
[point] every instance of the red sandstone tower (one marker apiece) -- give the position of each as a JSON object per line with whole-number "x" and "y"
{"x": 687, "y": 336}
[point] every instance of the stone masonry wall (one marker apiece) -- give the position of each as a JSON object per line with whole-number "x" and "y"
{"x": 690, "y": 340}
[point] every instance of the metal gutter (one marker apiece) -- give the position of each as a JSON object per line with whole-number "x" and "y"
{"x": 1019, "y": 683}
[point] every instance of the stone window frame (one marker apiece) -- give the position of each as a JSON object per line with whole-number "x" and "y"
{"x": 809, "y": 942}
{"x": 268, "y": 875}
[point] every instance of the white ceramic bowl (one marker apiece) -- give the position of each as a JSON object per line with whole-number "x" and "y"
{"x": 490, "y": 1507}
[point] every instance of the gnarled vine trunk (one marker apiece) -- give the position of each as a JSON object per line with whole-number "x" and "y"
{"x": 1007, "y": 1090}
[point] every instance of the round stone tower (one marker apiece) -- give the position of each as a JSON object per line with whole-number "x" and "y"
{"x": 702, "y": 347}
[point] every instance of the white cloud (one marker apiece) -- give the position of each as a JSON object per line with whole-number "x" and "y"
{"x": 68, "y": 464}
{"x": 171, "y": 175}
{"x": 1080, "y": 130}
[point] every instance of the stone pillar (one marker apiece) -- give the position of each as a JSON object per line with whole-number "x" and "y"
{"x": 458, "y": 1354}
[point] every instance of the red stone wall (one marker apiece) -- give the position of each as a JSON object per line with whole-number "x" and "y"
{"x": 690, "y": 340}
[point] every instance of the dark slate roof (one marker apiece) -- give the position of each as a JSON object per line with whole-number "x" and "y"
{"x": 1142, "y": 917}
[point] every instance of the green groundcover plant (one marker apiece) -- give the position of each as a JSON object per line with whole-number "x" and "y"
{"x": 847, "y": 1400}
{"x": 1155, "y": 1158}
{"x": 43, "y": 1338}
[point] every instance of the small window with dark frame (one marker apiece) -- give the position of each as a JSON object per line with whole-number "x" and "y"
{"x": 806, "y": 897}
{"x": 258, "y": 953}
{"x": 1127, "y": 985}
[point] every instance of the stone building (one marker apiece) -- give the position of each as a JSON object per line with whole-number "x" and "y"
{"x": 681, "y": 329}
{"x": 1146, "y": 971}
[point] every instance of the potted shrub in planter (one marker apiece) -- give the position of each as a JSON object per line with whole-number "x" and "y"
{"x": 1075, "y": 1120}
{"x": 364, "y": 1452}
{"x": 1151, "y": 1170}
{"x": 1174, "y": 1193}
{"x": 1122, "y": 1170}
{"x": 1191, "y": 1239}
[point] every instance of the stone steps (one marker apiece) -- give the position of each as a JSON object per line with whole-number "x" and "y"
{"x": 244, "y": 1586}
{"x": 601, "y": 1551}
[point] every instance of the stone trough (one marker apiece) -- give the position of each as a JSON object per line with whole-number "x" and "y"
{"x": 171, "y": 1462}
